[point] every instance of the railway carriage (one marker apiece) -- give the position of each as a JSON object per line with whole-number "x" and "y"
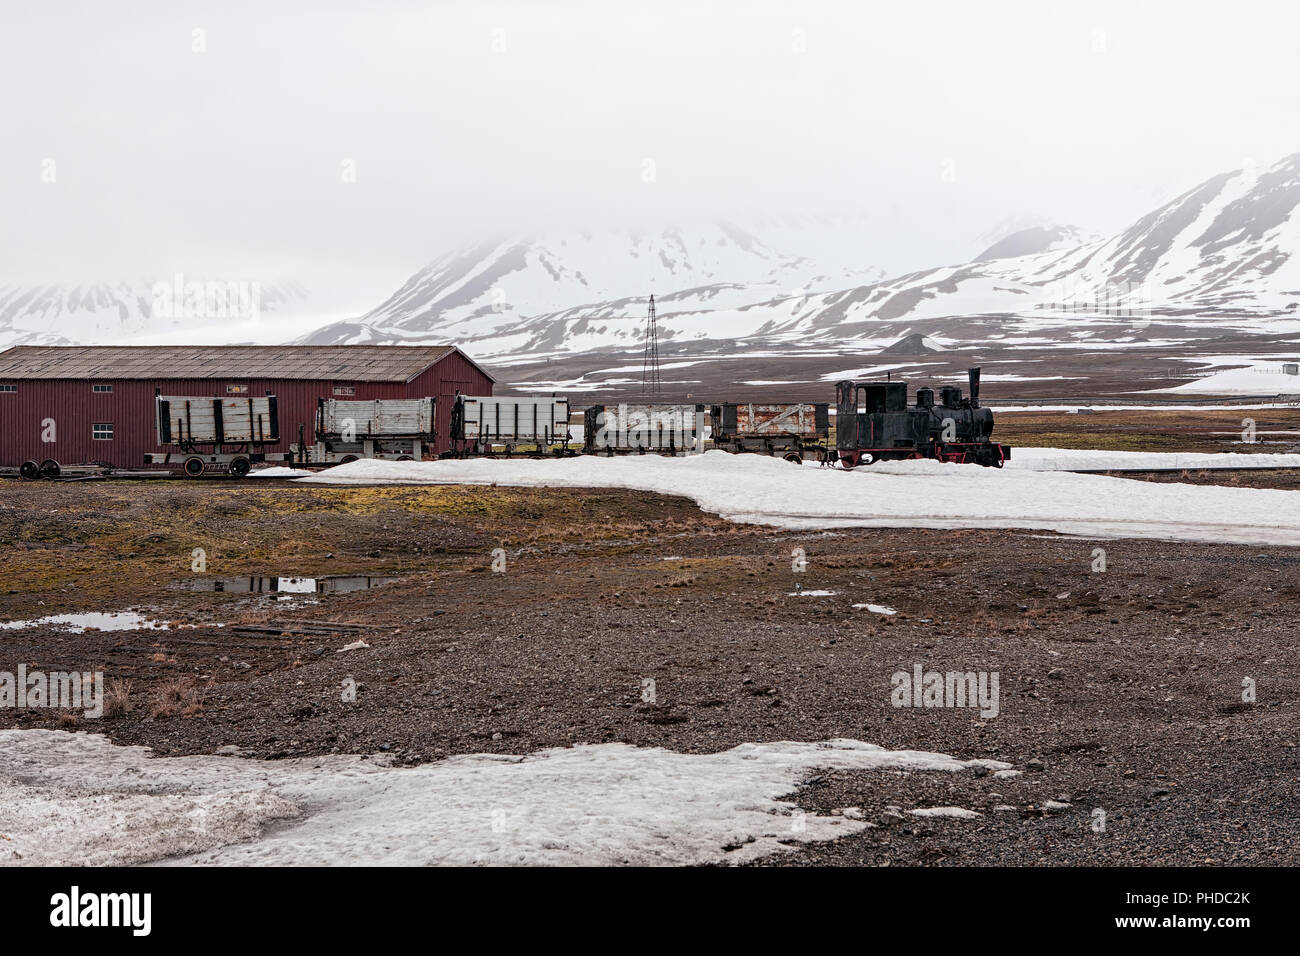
{"x": 215, "y": 435}
{"x": 640, "y": 429}
{"x": 487, "y": 425}
{"x": 791, "y": 430}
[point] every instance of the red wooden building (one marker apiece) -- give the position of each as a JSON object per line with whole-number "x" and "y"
{"x": 78, "y": 404}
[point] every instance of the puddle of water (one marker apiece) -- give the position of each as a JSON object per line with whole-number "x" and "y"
{"x": 332, "y": 584}
{"x": 100, "y": 621}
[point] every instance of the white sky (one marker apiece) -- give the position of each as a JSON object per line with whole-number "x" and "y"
{"x": 168, "y": 159}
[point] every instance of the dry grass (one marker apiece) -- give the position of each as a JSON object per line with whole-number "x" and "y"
{"x": 181, "y": 698}
{"x": 117, "y": 698}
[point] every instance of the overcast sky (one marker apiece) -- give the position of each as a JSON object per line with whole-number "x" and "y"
{"x": 228, "y": 148}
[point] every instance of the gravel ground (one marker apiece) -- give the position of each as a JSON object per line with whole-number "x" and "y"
{"x": 1120, "y": 691}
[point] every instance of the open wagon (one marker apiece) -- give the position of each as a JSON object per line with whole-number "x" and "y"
{"x": 638, "y": 429}
{"x": 392, "y": 429}
{"x": 485, "y": 425}
{"x": 215, "y": 435}
{"x": 794, "y": 430}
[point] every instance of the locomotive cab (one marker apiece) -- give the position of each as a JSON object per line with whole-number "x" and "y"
{"x": 872, "y": 398}
{"x": 875, "y": 415}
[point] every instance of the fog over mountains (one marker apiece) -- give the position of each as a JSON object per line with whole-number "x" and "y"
{"x": 1223, "y": 255}
{"x": 174, "y": 309}
{"x": 1224, "y": 252}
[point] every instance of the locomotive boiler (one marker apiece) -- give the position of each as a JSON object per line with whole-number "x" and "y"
{"x": 874, "y": 422}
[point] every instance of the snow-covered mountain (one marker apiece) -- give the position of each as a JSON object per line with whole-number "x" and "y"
{"x": 1226, "y": 254}
{"x": 94, "y": 313}
{"x": 1223, "y": 256}
{"x": 1031, "y": 240}
{"x": 508, "y": 294}
{"x": 71, "y": 314}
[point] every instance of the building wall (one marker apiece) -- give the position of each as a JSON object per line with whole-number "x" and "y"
{"x": 453, "y": 374}
{"x": 75, "y": 407}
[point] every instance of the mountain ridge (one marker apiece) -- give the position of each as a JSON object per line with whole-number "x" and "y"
{"x": 1230, "y": 244}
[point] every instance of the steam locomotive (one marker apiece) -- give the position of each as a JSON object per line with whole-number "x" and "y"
{"x": 874, "y": 423}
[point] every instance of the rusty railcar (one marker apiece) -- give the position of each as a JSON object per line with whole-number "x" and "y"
{"x": 794, "y": 430}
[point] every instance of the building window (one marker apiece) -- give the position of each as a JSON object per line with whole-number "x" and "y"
{"x": 236, "y": 389}
{"x": 102, "y": 432}
{"x": 101, "y": 388}
{"x": 8, "y": 389}
{"x": 344, "y": 390}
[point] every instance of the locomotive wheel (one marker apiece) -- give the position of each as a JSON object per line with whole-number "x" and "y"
{"x": 49, "y": 468}
{"x": 240, "y": 467}
{"x": 30, "y": 471}
{"x": 194, "y": 467}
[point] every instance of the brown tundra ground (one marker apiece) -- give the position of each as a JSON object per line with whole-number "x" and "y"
{"x": 1120, "y": 690}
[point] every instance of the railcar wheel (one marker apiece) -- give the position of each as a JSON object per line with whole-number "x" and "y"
{"x": 240, "y": 467}
{"x": 405, "y": 458}
{"x": 49, "y": 468}
{"x": 29, "y": 470}
{"x": 194, "y": 467}
{"x": 794, "y": 458}
{"x": 347, "y": 459}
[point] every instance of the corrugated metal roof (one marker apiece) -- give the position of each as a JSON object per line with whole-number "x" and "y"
{"x": 361, "y": 363}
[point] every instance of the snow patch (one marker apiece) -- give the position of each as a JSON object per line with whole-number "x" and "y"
{"x": 874, "y": 608}
{"x": 75, "y": 798}
{"x": 920, "y": 494}
{"x": 956, "y": 813}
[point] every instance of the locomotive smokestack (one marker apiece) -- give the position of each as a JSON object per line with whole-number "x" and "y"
{"x": 974, "y": 374}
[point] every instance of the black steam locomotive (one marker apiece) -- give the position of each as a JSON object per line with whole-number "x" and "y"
{"x": 875, "y": 423}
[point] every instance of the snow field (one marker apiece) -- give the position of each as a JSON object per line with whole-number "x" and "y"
{"x": 916, "y": 494}
{"x": 74, "y": 798}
